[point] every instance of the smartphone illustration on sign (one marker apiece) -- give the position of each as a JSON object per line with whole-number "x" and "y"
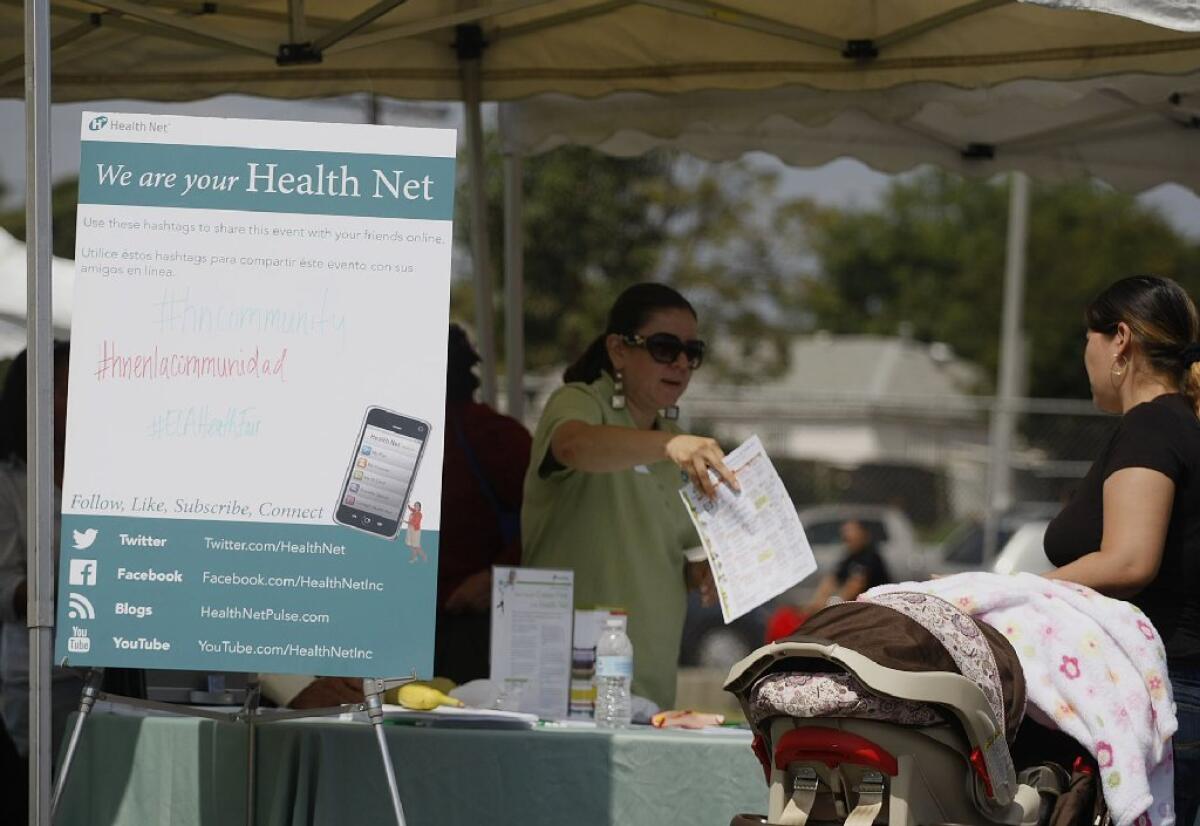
{"x": 386, "y": 454}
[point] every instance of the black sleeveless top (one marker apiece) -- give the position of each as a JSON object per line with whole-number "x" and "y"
{"x": 1163, "y": 435}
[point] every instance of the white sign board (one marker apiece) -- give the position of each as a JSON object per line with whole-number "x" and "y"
{"x": 257, "y": 389}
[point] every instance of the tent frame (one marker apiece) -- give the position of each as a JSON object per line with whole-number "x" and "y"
{"x": 40, "y": 415}
{"x": 183, "y": 20}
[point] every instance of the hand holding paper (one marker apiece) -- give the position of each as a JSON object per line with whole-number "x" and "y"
{"x": 702, "y": 460}
{"x": 755, "y": 544}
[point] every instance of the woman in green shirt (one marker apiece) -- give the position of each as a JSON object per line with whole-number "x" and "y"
{"x": 602, "y": 492}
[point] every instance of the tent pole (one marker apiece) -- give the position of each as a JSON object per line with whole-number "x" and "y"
{"x": 514, "y": 287}
{"x": 40, "y": 389}
{"x": 1004, "y": 413}
{"x": 470, "y": 52}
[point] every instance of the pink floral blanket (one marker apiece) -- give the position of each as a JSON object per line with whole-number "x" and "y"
{"x": 1094, "y": 667}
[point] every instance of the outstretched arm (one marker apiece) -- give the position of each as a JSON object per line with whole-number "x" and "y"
{"x": 596, "y": 448}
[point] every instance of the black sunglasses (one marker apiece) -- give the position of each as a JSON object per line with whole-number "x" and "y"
{"x": 665, "y": 348}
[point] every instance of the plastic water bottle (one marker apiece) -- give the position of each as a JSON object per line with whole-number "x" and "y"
{"x": 614, "y": 674}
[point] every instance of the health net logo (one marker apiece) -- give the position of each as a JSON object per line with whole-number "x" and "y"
{"x": 98, "y": 123}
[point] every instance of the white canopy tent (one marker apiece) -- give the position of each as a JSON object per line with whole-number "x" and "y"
{"x": 14, "y": 300}
{"x": 187, "y": 49}
{"x": 1134, "y": 131}
{"x": 505, "y": 50}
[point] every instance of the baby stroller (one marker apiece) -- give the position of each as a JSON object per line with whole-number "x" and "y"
{"x": 902, "y": 711}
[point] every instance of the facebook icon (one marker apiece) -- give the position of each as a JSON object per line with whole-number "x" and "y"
{"x": 83, "y": 572}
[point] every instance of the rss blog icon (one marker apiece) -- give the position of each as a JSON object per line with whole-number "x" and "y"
{"x": 79, "y": 608}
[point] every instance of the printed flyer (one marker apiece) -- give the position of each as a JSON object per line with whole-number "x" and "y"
{"x": 256, "y": 397}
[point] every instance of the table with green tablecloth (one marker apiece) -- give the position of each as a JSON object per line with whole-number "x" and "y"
{"x": 181, "y": 771}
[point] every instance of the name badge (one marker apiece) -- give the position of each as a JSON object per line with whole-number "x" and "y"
{"x": 641, "y": 469}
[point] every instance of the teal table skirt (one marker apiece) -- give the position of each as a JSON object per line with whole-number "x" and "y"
{"x": 167, "y": 771}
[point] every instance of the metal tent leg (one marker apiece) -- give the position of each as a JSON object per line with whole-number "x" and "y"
{"x": 91, "y": 690}
{"x": 249, "y": 716}
{"x": 373, "y": 690}
{"x": 40, "y": 386}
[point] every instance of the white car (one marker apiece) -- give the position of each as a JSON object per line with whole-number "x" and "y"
{"x": 962, "y": 550}
{"x": 1024, "y": 553}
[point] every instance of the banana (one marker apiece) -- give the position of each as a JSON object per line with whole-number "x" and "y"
{"x": 420, "y": 697}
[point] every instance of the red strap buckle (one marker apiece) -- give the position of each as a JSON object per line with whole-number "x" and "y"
{"x": 980, "y": 767}
{"x": 832, "y": 747}
{"x": 759, "y": 747}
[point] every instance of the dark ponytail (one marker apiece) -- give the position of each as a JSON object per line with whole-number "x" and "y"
{"x": 588, "y": 366}
{"x": 629, "y": 313}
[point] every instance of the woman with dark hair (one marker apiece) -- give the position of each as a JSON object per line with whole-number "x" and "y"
{"x": 601, "y": 494}
{"x": 1133, "y": 529}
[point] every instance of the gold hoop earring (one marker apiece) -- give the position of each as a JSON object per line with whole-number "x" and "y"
{"x": 1119, "y": 371}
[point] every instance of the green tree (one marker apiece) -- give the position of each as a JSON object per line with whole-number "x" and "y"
{"x": 932, "y": 256}
{"x": 64, "y": 198}
{"x": 594, "y": 224}
{"x": 737, "y": 257}
{"x": 587, "y": 236}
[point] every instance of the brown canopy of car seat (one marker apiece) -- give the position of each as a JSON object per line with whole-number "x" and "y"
{"x": 896, "y": 641}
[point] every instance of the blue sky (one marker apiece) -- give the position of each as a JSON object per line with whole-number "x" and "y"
{"x": 841, "y": 183}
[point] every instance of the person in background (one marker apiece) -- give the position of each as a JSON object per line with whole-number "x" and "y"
{"x": 486, "y": 456}
{"x": 1132, "y": 530}
{"x": 602, "y": 491}
{"x": 14, "y": 635}
{"x": 861, "y": 567}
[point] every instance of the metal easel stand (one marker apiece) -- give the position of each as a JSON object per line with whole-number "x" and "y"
{"x": 253, "y": 716}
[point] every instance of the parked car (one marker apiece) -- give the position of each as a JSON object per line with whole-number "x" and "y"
{"x": 1024, "y": 551}
{"x": 710, "y": 643}
{"x": 963, "y": 548}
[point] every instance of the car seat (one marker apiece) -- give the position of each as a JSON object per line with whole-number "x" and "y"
{"x": 899, "y": 711}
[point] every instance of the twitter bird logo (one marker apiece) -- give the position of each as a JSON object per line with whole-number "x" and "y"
{"x": 84, "y": 539}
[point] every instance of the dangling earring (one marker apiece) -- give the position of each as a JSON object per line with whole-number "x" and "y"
{"x": 618, "y": 396}
{"x": 1119, "y": 371}
{"x": 671, "y": 413}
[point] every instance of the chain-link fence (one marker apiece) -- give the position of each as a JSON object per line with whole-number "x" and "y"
{"x": 928, "y": 458}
